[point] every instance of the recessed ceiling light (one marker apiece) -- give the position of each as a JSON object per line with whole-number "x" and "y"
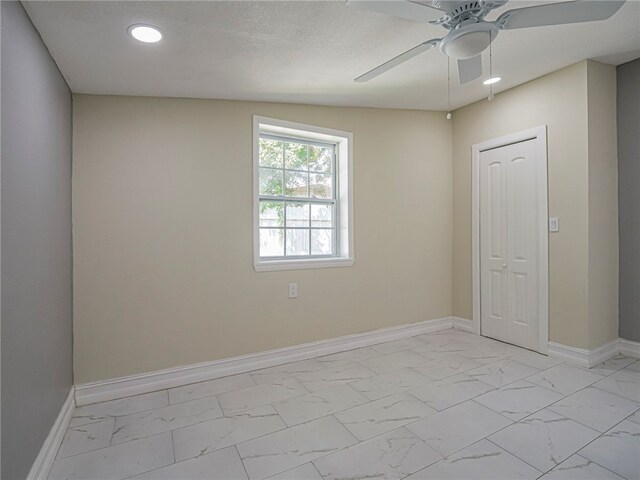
{"x": 145, "y": 33}
{"x": 492, "y": 80}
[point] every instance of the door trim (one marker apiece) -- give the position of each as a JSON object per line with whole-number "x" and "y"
{"x": 539, "y": 134}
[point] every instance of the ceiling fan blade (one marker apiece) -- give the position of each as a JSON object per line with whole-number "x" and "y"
{"x": 559, "y": 13}
{"x": 469, "y": 69}
{"x": 399, "y": 8}
{"x": 395, "y": 61}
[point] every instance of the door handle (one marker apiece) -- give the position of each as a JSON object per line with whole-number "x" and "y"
{"x": 504, "y": 265}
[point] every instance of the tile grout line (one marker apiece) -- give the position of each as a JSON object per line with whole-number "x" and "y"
{"x": 116, "y": 445}
{"x": 316, "y": 468}
{"x": 153, "y": 469}
{"x": 241, "y": 460}
{"x": 586, "y": 459}
{"x": 173, "y": 448}
{"x": 207, "y": 381}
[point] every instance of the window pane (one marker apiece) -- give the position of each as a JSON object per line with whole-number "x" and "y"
{"x": 320, "y": 159}
{"x": 295, "y": 156}
{"x": 321, "y": 242}
{"x": 271, "y": 242}
{"x": 297, "y": 214}
{"x": 272, "y": 214}
{"x": 320, "y": 185}
{"x": 321, "y": 215}
{"x": 296, "y": 184}
{"x": 270, "y": 153}
{"x": 297, "y": 242}
{"x": 270, "y": 181}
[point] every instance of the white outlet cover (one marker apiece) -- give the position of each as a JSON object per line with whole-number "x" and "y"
{"x": 554, "y": 224}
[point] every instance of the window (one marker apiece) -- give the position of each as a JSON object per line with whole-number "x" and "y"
{"x": 302, "y": 202}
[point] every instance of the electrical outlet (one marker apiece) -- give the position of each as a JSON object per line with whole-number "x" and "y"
{"x": 293, "y": 290}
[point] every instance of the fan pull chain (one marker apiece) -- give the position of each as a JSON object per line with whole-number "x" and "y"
{"x": 490, "y": 64}
{"x": 449, "y": 87}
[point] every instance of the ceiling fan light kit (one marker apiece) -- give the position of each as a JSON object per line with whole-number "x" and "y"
{"x": 468, "y": 41}
{"x": 469, "y": 33}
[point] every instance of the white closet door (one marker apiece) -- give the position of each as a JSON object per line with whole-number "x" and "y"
{"x": 522, "y": 233}
{"x": 493, "y": 245}
{"x": 509, "y": 244}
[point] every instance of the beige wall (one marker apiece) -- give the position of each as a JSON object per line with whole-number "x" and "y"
{"x": 578, "y": 106}
{"x": 163, "y": 233}
{"x": 558, "y": 100}
{"x": 603, "y": 204}
{"x": 163, "y": 223}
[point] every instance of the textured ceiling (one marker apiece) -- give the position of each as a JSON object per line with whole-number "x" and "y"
{"x": 299, "y": 51}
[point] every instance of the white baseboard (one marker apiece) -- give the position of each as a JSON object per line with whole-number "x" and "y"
{"x": 603, "y": 353}
{"x": 175, "y": 377}
{"x": 577, "y": 356}
{"x": 590, "y": 358}
{"x": 43, "y": 462}
{"x": 629, "y": 348}
{"x": 463, "y": 324}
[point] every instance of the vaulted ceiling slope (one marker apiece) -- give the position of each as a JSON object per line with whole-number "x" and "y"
{"x": 300, "y": 51}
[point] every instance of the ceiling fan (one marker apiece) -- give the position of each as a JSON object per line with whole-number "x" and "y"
{"x": 469, "y": 33}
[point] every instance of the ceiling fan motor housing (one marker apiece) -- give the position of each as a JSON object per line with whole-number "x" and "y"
{"x": 454, "y": 6}
{"x": 469, "y": 40}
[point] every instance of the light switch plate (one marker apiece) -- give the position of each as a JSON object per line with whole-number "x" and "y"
{"x": 554, "y": 224}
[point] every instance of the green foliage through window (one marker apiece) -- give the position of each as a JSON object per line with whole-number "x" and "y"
{"x": 300, "y": 220}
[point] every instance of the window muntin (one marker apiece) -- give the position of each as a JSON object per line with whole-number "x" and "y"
{"x": 297, "y": 198}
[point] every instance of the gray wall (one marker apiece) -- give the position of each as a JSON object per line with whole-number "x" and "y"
{"x": 36, "y": 241}
{"x": 629, "y": 198}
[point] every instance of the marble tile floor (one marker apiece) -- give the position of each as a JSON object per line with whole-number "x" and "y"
{"x": 445, "y": 405}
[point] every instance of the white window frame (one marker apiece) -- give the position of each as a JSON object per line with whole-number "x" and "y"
{"x": 344, "y": 193}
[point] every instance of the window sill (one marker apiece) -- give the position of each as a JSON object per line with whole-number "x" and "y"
{"x": 275, "y": 265}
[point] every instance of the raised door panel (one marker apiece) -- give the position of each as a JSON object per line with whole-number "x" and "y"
{"x": 493, "y": 245}
{"x": 522, "y": 248}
